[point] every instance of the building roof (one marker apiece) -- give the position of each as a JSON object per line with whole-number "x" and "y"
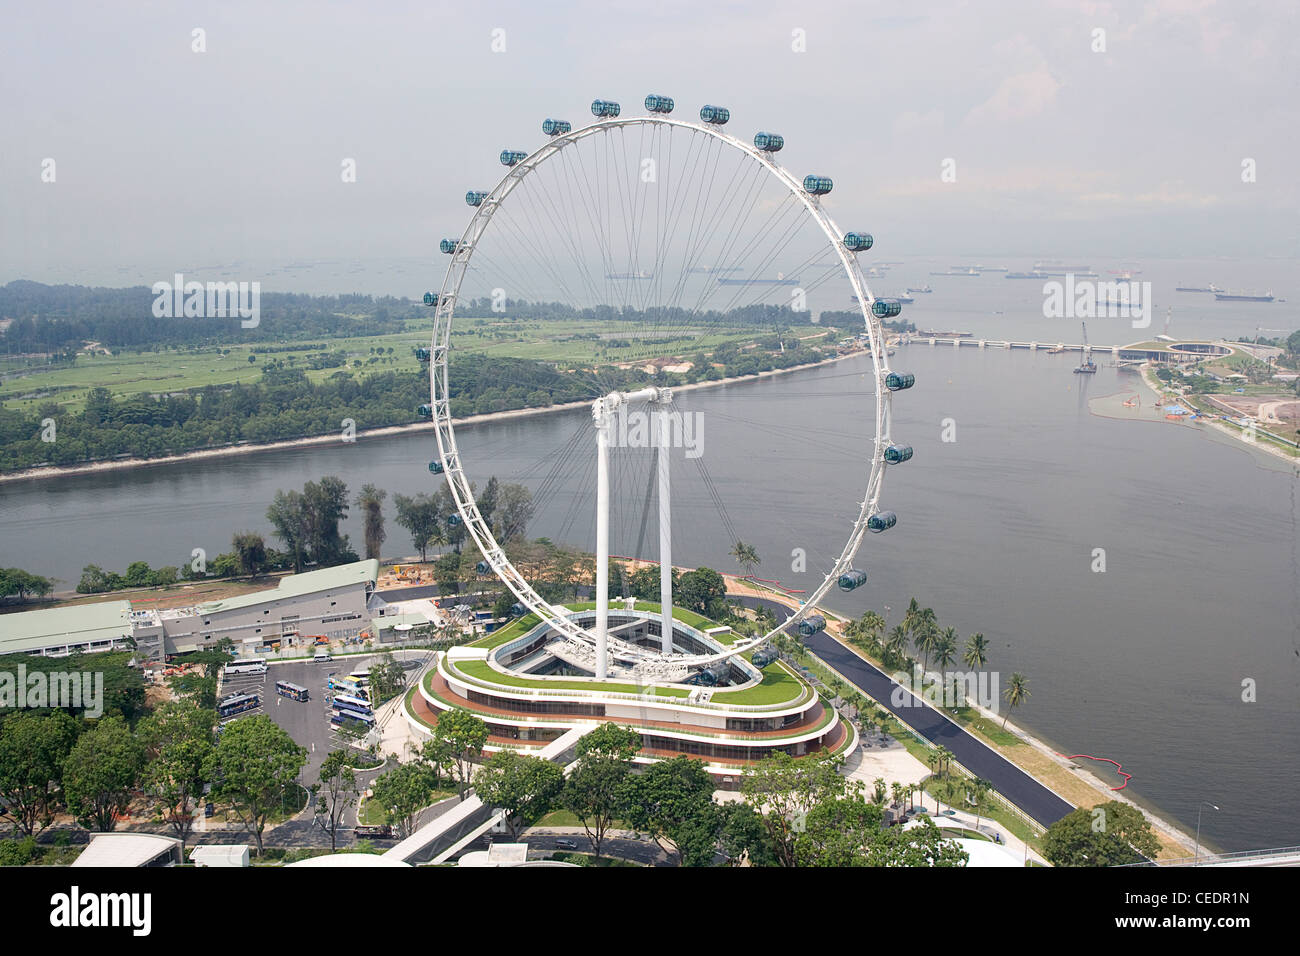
{"x": 234, "y": 854}
{"x": 350, "y": 859}
{"x": 126, "y": 849}
{"x": 33, "y": 630}
{"x": 300, "y": 585}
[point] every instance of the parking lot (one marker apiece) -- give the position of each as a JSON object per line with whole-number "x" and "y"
{"x": 308, "y": 722}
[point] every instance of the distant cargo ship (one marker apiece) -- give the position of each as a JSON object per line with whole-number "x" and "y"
{"x": 968, "y": 272}
{"x": 1229, "y": 297}
{"x": 926, "y": 289}
{"x": 1057, "y": 267}
{"x": 1026, "y": 275}
{"x": 1189, "y": 288}
{"x": 628, "y": 275}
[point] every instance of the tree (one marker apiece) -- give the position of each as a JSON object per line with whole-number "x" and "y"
{"x": 487, "y": 501}
{"x": 179, "y": 741}
{"x": 945, "y": 648}
{"x": 868, "y": 628}
{"x": 419, "y": 516}
{"x": 1110, "y": 834}
{"x": 746, "y": 556}
{"x": 386, "y": 678}
{"x": 976, "y": 655}
{"x": 702, "y": 591}
{"x": 101, "y": 772}
{"x": 287, "y": 514}
{"x": 1017, "y": 693}
{"x": 250, "y": 552}
{"x": 403, "y": 792}
{"x": 326, "y": 504}
{"x": 787, "y": 789}
{"x": 524, "y": 787}
{"x": 335, "y": 792}
{"x": 371, "y": 503}
{"x": 595, "y": 792}
{"x": 610, "y": 740}
{"x": 32, "y": 751}
{"x": 254, "y": 764}
{"x": 463, "y": 735}
{"x": 23, "y": 583}
{"x": 672, "y": 801}
{"x": 513, "y": 509}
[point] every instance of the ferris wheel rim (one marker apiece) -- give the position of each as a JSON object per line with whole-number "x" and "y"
{"x": 439, "y": 382}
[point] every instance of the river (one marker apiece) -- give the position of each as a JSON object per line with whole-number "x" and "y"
{"x": 1143, "y": 663}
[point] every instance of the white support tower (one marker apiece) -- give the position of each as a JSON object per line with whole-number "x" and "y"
{"x": 602, "y": 414}
{"x": 665, "y": 524}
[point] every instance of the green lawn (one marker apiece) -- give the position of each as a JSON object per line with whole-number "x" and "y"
{"x": 482, "y": 670}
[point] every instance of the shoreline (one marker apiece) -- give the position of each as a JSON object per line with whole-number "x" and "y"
{"x": 96, "y": 467}
{"x": 1160, "y": 823}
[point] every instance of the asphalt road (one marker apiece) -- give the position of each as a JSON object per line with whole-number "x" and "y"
{"x": 1007, "y": 779}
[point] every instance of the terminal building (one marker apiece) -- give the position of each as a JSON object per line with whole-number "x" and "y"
{"x": 332, "y": 603}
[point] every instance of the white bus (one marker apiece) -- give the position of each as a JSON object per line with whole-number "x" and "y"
{"x": 246, "y": 667}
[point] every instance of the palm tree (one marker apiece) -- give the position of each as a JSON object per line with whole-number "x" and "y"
{"x": 1016, "y": 694}
{"x": 976, "y": 655}
{"x": 896, "y": 645}
{"x": 945, "y": 648}
{"x": 868, "y": 627}
{"x": 977, "y": 788}
{"x": 746, "y": 556}
{"x": 910, "y": 615}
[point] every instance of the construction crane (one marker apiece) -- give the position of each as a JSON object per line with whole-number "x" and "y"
{"x": 1088, "y": 367}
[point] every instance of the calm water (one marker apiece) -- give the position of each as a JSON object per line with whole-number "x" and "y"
{"x": 1142, "y": 663}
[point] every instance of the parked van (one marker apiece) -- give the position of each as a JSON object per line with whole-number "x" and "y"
{"x": 321, "y": 657}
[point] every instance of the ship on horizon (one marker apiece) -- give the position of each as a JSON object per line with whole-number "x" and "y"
{"x": 1189, "y": 288}
{"x": 926, "y": 289}
{"x": 1243, "y": 297}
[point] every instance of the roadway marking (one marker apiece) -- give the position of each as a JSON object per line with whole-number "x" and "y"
{"x": 1118, "y": 767}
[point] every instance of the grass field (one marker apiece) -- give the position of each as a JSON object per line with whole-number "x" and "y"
{"x": 582, "y": 343}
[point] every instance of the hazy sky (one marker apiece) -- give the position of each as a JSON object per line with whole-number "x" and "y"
{"x": 167, "y": 158}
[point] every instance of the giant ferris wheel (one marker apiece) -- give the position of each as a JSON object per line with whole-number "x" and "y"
{"x": 686, "y": 229}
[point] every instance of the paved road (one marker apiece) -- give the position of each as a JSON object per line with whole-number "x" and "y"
{"x": 980, "y": 759}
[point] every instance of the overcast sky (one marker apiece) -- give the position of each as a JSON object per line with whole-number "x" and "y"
{"x": 166, "y": 158}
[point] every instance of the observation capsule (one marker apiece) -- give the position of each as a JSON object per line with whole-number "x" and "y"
{"x": 483, "y": 568}
{"x": 897, "y": 454}
{"x": 423, "y": 354}
{"x": 475, "y": 198}
{"x": 811, "y": 625}
{"x": 763, "y": 656}
{"x": 554, "y": 127}
{"x": 886, "y": 308}
{"x": 435, "y": 468}
{"x": 430, "y": 298}
{"x": 426, "y": 411}
{"x": 518, "y": 610}
{"x": 658, "y": 104}
{"x": 881, "y": 521}
{"x": 604, "y": 108}
{"x": 715, "y": 115}
{"x": 454, "y": 519}
{"x": 512, "y": 157}
{"x": 897, "y": 381}
{"x": 857, "y": 241}
{"x": 817, "y": 185}
{"x": 768, "y": 142}
{"x": 852, "y": 579}
{"x": 448, "y": 246}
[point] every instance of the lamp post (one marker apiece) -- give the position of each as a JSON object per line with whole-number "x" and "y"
{"x": 1203, "y": 804}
